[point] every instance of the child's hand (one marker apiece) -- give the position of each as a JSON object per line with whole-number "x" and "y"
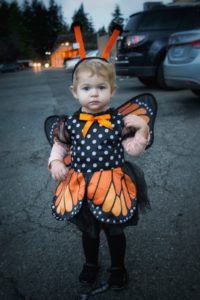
{"x": 58, "y": 170}
{"x": 137, "y": 124}
{"x": 134, "y": 121}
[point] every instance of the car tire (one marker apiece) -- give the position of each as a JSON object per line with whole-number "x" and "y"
{"x": 160, "y": 79}
{"x": 196, "y": 92}
{"x": 148, "y": 81}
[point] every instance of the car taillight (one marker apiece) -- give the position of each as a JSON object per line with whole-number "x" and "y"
{"x": 134, "y": 40}
{"x": 193, "y": 44}
{"x": 196, "y": 43}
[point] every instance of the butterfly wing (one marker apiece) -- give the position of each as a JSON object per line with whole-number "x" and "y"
{"x": 112, "y": 196}
{"x": 54, "y": 128}
{"x": 68, "y": 196}
{"x": 144, "y": 106}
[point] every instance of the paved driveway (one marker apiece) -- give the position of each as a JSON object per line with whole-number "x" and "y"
{"x": 41, "y": 257}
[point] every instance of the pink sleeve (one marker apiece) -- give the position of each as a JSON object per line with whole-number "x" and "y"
{"x": 135, "y": 145}
{"x": 58, "y": 152}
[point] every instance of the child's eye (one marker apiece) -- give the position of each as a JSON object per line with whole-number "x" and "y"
{"x": 86, "y": 88}
{"x": 102, "y": 87}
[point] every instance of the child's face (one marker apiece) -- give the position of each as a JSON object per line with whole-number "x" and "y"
{"x": 93, "y": 92}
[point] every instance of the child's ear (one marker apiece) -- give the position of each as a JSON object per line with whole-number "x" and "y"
{"x": 73, "y": 91}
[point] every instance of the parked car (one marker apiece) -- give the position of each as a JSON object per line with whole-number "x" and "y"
{"x": 10, "y": 67}
{"x": 70, "y": 63}
{"x": 182, "y": 62}
{"x": 24, "y": 64}
{"x": 142, "y": 47}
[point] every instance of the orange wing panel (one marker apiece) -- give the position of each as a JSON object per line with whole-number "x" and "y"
{"x": 130, "y": 108}
{"x": 99, "y": 188}
{"x": 117, "y": 207}
{"x": 109, "y": 201}
{"x": 117, "y": 175}
{"x": 131, "y": 187}
{"x": 126, "y": 195}
{"x": 124, "y": 208}
{"x": 69, "y": 192}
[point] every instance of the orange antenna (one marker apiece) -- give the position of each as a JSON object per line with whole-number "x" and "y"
{"x": 79, "y": 39}
{"x": 117, "y": 29}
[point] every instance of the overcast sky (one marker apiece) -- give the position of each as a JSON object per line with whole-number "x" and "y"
{"x": 100, "y": 10}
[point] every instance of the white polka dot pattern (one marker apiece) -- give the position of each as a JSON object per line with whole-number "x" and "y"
{"x": 101, "y": 148}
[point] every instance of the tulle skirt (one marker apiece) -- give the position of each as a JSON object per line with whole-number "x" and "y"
{"x": 86, "y": 221}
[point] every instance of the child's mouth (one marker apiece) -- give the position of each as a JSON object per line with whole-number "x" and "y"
{"x": 94, "y": 102}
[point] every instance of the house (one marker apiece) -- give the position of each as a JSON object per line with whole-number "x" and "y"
{"x": 64, "y": 48}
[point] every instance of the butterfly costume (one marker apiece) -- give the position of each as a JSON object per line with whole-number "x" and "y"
{"x": 100, "y": 186}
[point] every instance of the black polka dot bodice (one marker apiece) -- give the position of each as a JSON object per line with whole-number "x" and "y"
{"x": 101, "y": 149}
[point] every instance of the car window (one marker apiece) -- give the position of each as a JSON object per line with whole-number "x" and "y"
{"x": 192, "y": 21}
{"x": 132, "y": 22}
{"x": 169, "y": 20}
{"x": 159, "y": 20}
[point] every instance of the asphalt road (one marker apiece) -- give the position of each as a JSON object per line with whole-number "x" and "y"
{"x": 40, "y": 257}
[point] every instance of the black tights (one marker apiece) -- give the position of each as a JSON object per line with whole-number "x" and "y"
{"x": 117, "y": 248}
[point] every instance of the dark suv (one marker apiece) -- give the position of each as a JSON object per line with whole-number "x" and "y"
{"x": 142, "y": 47}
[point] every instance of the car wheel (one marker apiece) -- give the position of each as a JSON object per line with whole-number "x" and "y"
{"x": 196, "y": 92}
{"x": 160, "y": 79}
{"x": 148, "y": 81}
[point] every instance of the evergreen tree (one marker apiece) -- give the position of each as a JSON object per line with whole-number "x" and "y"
{"x": 82, "y": 17}
{"x": 87, "y": 27}
{"x": 30, "y": 31}
{"x": 56, "y": 23}
{"x": 11, "y": 32}
{"x": 117, "y": 18}
{"x": 4, "y": 30}
{"x": 16, "y": 30}
{"x": 102, "y": 31}
{"x": 43, "y": 25}
{"x": 4, "y": 15}
{"x": 39, "y": 27}
{"x": 27, "y": 17}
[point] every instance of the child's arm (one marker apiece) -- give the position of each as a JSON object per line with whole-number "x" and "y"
{"x": 135, "y": 145}
{"x": 56, "y": 164}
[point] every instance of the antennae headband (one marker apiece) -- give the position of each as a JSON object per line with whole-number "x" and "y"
{"x": 79, "y": 39}
{"x": 116, "y": 31}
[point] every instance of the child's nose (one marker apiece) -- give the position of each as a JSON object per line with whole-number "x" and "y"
{"x": 94, "y": 92}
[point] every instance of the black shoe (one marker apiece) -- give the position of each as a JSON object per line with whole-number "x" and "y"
{"x": 118, "y": 278}
{"x": 88, "y": 274}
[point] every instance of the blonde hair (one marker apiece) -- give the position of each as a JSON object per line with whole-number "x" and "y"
{"x": 97, "y": 67}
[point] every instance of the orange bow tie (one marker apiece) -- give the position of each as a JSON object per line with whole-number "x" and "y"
{"x": 102, "y": 119}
